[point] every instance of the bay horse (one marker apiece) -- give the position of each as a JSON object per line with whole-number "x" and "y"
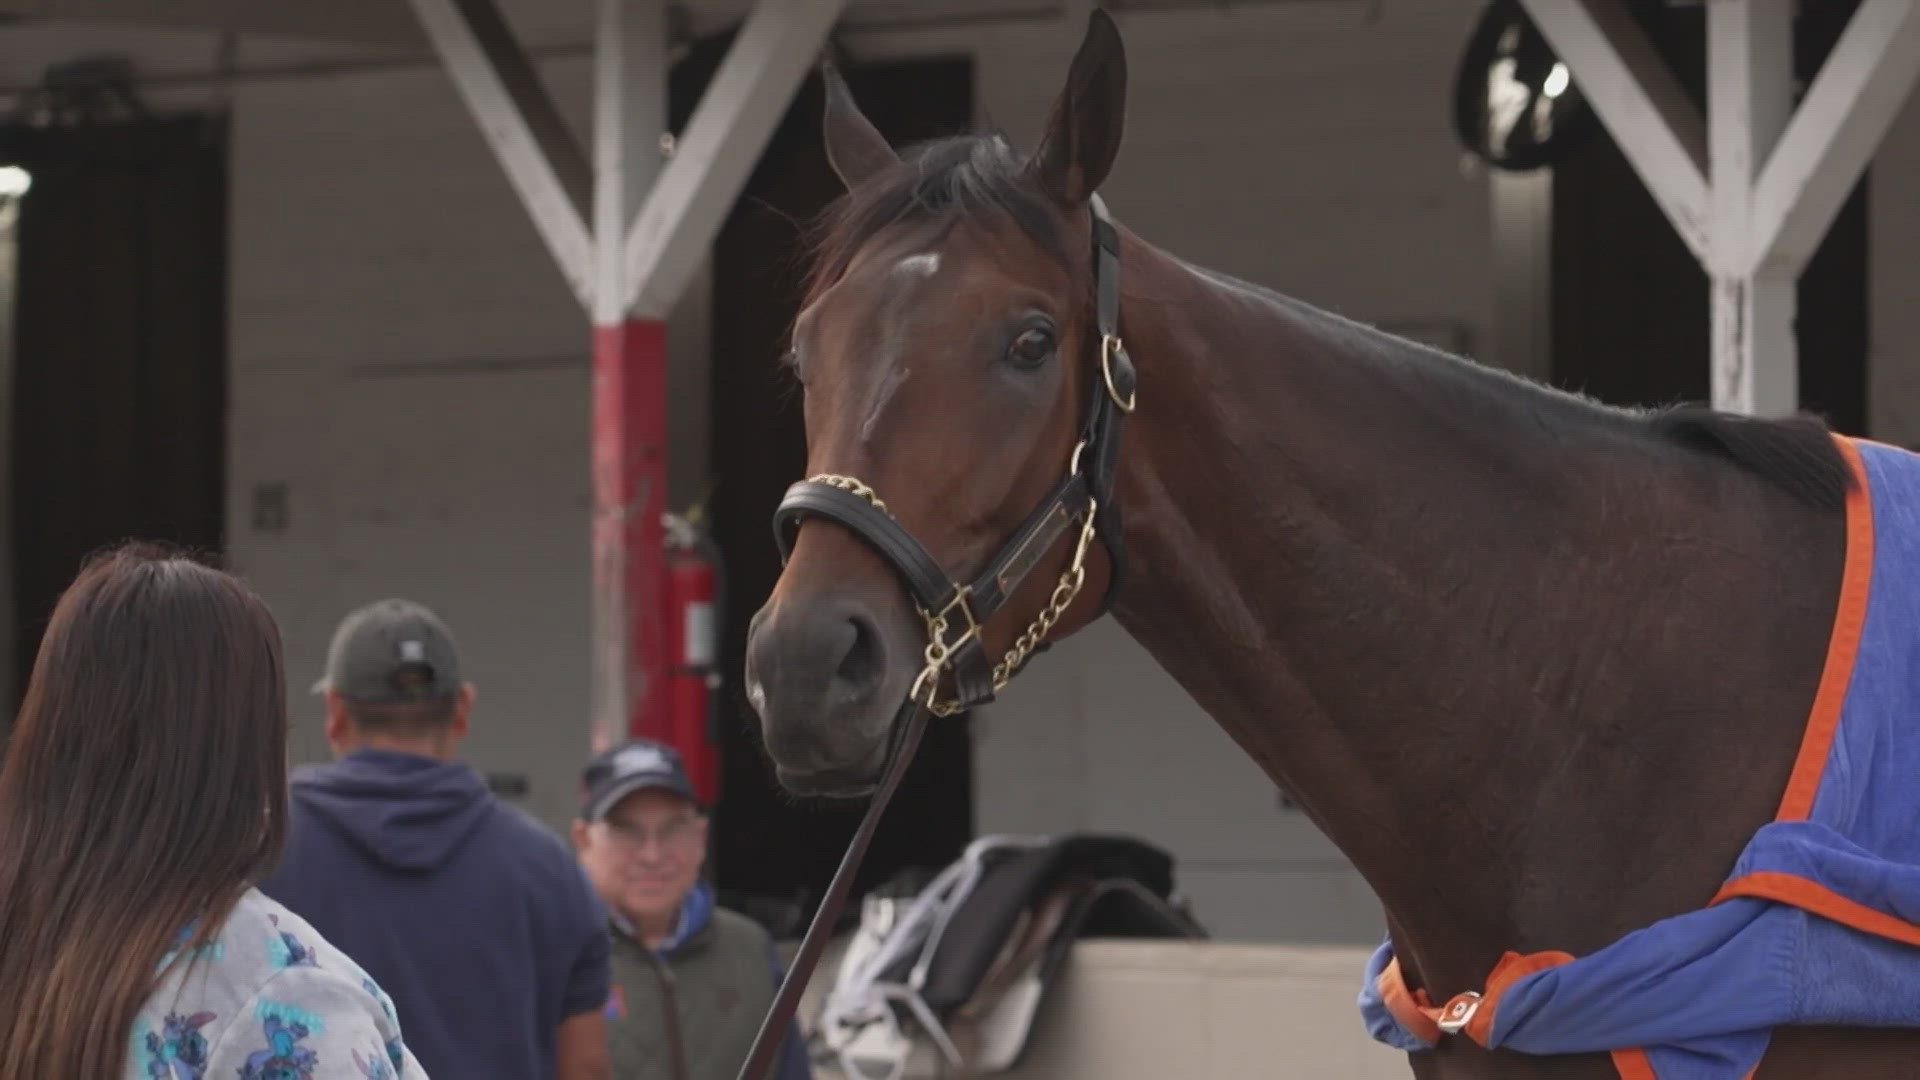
{"x": 1539, "y": 667}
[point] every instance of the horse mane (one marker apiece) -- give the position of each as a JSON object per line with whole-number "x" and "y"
{"x": 1797, "y": 453}
{"x": 940, "y": 182}
{"x": 936, "y": 184}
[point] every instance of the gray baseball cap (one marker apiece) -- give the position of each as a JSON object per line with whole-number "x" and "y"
{"x": 381, "y": 641}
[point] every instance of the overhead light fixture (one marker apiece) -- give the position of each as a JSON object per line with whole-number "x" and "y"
{"x": 14, "y": 181}
{"x": 1558, "y": 79}
{"x": 1515, "y": 104}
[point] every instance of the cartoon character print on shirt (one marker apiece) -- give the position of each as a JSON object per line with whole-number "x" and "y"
{"x": 396, "y": 1048}
{"x": 283, "y": 1058}
{"x": 208, "y": 950}
{"x": 374, "y": 1066}
{"x": 373, "y": 990}
{"x": 288, "y": 951}
{"x": 178, "y": 1051}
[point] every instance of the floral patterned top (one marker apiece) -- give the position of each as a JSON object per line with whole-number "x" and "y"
{"x": 267, "y": 999}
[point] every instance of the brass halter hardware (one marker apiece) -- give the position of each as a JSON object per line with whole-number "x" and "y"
{"x": 941, "y": 645}
{"x": 1110, "y": 347}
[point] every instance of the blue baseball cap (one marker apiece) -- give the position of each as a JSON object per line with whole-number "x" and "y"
{"x": 635, "y": 765}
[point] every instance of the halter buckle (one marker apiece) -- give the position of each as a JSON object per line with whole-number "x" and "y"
{"x": 940, "y": 650}
{"x": 1110, "y": 346}
{"x": 961, "y": 596}
{"x": 927, "y": 683}
{"x": 1459, "y": 1012}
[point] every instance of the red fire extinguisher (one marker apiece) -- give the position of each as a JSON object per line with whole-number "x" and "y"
{"x": 693, "y": 597}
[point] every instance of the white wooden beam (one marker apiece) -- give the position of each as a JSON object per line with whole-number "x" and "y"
{"x": 750, "y": 93}
{"x": 1755, "y": 366}
{"x": 1755, "y": 359}
{"x": 1522, "y": 219}
{"x": 1834, "y": 134}
{"x": 629, "y": 122}
{"x": 1638, "y": 99}
{"x": 541, "y": 157}
{"x": 1749, "y": 98}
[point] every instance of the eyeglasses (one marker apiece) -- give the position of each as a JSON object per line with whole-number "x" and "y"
{"x": 678, "y": 832}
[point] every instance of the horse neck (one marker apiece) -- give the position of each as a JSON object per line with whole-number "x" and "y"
{"x": 1380, "y": 569}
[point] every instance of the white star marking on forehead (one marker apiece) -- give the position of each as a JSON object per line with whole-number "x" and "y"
{"x": 925, "y": 264}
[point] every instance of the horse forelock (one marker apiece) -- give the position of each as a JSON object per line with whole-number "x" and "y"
{"x": 936, "y": 187}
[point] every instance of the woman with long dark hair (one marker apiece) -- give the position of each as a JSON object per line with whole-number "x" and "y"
{"x": 142, "y": 795}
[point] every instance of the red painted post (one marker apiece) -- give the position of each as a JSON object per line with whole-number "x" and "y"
{"x": 629, "y": 557}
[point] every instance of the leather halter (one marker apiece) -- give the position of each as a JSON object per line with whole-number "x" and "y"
{"x": 955, "y": 614}
{"x": 1084, "y": 495}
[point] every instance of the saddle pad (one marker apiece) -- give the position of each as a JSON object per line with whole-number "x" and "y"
{"x": 1816, "y": 924}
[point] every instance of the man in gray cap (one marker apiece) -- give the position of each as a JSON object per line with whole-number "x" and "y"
{"x": 475, "y": 919}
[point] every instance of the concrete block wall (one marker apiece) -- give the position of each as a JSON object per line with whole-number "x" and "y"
{"x": 410, "y": 365}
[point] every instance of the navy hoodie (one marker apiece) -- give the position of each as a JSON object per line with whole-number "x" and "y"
{"x": 475, "y": 919}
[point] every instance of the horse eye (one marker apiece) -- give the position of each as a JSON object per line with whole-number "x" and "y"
{"x": 1032, "y": 347}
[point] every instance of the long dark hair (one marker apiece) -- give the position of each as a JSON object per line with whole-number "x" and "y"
{"x": 143, "y": 792}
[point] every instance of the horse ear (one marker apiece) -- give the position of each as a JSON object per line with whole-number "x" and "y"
{"x": 855, "y": 148}
{"x": 1083, "y": 130}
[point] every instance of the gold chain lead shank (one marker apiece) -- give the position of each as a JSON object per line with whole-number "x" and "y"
{"x": 939, "y": 652}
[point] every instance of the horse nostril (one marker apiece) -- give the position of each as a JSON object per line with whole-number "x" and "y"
{"x": 861, "y": 667}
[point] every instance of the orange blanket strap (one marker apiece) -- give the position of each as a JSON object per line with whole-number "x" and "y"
{"x": 1471, "y": 1013}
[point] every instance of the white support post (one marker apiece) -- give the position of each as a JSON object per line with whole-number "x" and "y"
{"x": 1755, "y": 368}
{"x": 651, "y": 229}
{"x": 1749, "y": 98}
{"x": 774, "y": 50}
{"x": 1522, "y": 218}
{"x": 629, "y": 124}
{"x": 1775, "y": 176}
{"x": 628, "y": 669}
{"x": 527, "y": 134}
{"x": 1845, "y": 114}
{"x": 1642, "y": 105}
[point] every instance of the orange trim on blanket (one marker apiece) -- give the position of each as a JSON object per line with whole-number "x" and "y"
{"x": 1415, "y": 1011}
{"x": 1511, "y": 969}
{"x": 1849, "y": 616}
{"x": 1419, "y": 1015}
{"x": 1634, "y": 1065}
{"x": 1809, "y": 895}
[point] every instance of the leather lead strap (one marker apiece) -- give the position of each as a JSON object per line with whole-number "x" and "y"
{"x": 1106, "y": 417}
{"x": 908, "y": 727}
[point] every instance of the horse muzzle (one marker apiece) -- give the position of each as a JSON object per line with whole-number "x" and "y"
{"x": 819, "y": 675}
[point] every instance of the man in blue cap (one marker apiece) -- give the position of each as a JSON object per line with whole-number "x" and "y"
{"x": 474, "y": 918}
{"x": 691, "y": 980}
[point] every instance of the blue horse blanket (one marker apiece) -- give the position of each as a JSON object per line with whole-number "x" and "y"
{"x": 1819, "y": 921}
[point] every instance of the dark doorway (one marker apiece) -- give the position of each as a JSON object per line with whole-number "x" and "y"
{"x": 1630, "y": 319}
{"x": 767, "y": 847}
{"x": 118, "y": 396}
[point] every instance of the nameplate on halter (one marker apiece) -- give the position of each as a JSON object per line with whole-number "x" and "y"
{"x": 1034, "y": 546}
